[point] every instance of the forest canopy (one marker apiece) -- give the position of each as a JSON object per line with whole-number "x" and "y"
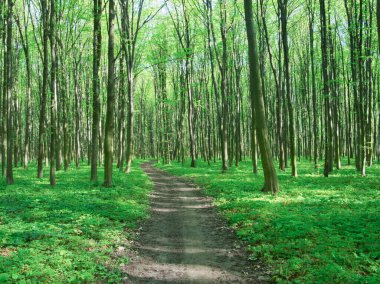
{"x": 108, "y": 81}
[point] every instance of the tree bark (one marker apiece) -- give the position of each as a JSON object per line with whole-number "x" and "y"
{"x": 25, "y": 46}
{"x": 313, "y": 82}
{"x": 41, "y": 134}
{"x": 110, "y": 124}
{"x": 122, "y": 103}
{"x": 97, "y": 43}
{"x": 223, "y": 85}
{"x": 53, "y": 86}
{"x": 77, "y": 111}
{"x": 378, "y": 22}
{"x": 9, "y": 86}
{"x": 257, "y": 101}
{"x": 289, "y": 100}
{"x": 326, "y": 90}
{"x": 277, "y": 80}
{"x": 130, "y": 118}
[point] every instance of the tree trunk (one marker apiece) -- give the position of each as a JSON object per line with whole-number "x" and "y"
{"x": 257, "y": 101}
{"x": 41, "y": 134}
{"x": 278, "y": 91}
{"x": 66, "y": 138}
{"x": 284, "y": 23}
{"x": 313, "y": 82}
{"x": 378, "y": 22}
{"x": 9, "y": 85}
{"x": 326, "y": 89}
{"x": 130, "y": 118}
{"x": 97, "y": 42}
{"x": 77, "y": 112}
{"x": 223, "y": 85}
{"x": 25, "y": 46}
{"x": 53, "y": 86}
{"x": 110, "y": 124}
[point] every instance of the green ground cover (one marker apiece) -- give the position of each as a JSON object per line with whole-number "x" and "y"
{"x": 67, "y": 234}
{"x": 317, "y": 230}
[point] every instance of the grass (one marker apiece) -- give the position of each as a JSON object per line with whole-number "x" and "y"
{"x": 316, "y": 230}
{"x": 67, "y": 234}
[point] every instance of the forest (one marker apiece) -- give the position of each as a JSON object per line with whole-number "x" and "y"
{"x": 190, "y": 141}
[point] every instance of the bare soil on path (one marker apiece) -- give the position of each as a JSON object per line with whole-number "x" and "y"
{"x": 185, "y": 241}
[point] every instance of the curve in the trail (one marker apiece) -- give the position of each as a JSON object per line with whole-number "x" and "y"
{"x": 185, "y": 241}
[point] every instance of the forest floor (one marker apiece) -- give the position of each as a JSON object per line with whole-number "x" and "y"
{"x": 185, "y": 241}
{"x": 68, "y": 234}
{"x": 316, "y": 230}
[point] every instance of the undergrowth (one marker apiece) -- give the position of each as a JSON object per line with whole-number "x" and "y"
{"x": 67, "y": 234}
{"x": 316, "y": 230}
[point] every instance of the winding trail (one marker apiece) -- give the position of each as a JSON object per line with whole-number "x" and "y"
{"x": 185, "y": 241}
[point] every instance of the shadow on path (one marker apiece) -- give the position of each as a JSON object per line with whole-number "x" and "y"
{"x": 186, "y": 242}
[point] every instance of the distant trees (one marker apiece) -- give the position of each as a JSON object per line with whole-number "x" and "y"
{"x": 182, "y": 27}
{"x": 359, "y": 19}
{"x": 176, "y": 83}
{"x": 163, "y": 107}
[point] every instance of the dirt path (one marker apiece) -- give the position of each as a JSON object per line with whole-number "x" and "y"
{"x": 185, "y": 241}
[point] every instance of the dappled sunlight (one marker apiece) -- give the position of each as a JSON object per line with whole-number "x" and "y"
{"x": 72, "y": 226}
{"x": 325, "y": 228}
{"x": 177, "y": 273}
{"x": 184, "y": 241}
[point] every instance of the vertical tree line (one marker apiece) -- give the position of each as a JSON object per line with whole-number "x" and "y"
{"x": 180, "y": 80}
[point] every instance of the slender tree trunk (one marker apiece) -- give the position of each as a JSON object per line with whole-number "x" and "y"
{"x": 313, "y": 82}
{"x": 326, "y": 89}
{"x": 378, "y": 22}
{"x": 210, "y": 36}
{"x": 122, "y": 101}
{"x": 9, "y": 86}
{"x": 88, "y": 122}
{"x": 130, "y": 118}
{"x": 354, "y": 54}
{"x": 4, "y": 91}
{"x": 238, "y": 116}
{"x": 25, "y": 46}
{"x": 289, "y": 100}
{"x": 190, "y": 114}
{"x": 53, "y": 86}
{"x": 223, "y": 85}
{"x": 41, "y": 134}
{"x": 278, "y": 91}
{"x": 162, "y": 89}
{"x": 77, "y": 112}
{"x": 97, "y": 43}
{"x": 66, "y": 138}
{"x": 131, "y": 25}
{"x": 110, "y": 124}
{"x": 257, "y": 101}
{"x": 253, "y": 142}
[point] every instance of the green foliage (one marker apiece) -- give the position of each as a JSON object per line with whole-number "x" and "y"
{"x": 317, "y": 230}
{"x": 67, "y": 234}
